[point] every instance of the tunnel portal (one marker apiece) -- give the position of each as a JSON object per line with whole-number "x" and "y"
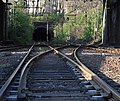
{"x": 40, "y": 34}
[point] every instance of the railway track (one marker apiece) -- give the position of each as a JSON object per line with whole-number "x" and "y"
{"x": 107, "y": 85}
{"x": 8, "y": 48}
{"x": 15, "y": 47}
{"x": 52, "y": 79}
{"x": 9, "y": 90}
{"x": 52, "y": 76}
{"x": 9, "y": 61}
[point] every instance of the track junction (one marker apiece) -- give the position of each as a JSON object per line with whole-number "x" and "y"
{"x": 51, "y": 74}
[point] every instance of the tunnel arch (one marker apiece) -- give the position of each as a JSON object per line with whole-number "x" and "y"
{"x": 40, "y": 34}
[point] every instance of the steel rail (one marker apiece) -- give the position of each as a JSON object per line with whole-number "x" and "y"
{"x": 89, "y": 75}
{"x": 2, "y": 47}
{"x": 111, "y": 91}
{"x": 10, "y": 48}
{"x": 7, "y": 83}
{"x": 22, "y": 83}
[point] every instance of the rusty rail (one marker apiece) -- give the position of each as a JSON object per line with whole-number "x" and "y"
{"x": 88, "y": 73}
{"x": 7, "y": 83}
{"x": 22, "y": 84}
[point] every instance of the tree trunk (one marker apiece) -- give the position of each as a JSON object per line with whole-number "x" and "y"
{"x": 104, "y": 29}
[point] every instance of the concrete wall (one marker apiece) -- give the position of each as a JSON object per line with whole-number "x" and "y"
{"x": 113, "y": 23}
{"x": 2, "y": 8}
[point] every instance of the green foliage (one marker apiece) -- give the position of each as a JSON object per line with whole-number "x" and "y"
{"x": 21, "y": 28}
{"x": 89, "y": 26}
{"x": 68, "y": 27}
{"x": 83, "y": 27}
{"x": 60, "y": 35}
{"x": 94, "y": 20}
{"x": 53, "y": 17}
{"x": 100, "y": 24}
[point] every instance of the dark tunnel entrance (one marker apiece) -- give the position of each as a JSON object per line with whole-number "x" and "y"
{"x": 40, "y": 34}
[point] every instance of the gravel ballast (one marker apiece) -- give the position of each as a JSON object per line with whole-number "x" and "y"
{"x": 9, "y": 60}
{"x": 105, "y": 62}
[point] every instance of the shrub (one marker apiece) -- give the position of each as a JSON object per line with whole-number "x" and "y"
{"x": 21, "y": 28}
